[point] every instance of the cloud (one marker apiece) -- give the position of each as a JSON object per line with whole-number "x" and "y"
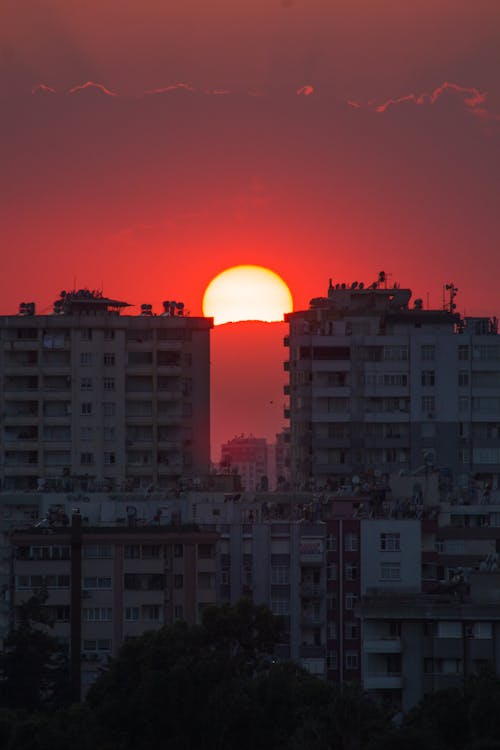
{"x": 92, "y": 86}
{"x": 305, "y": 91}
{"x": 42, "y": 88}
{"x": 472, "y": 97}
{"x": 169, "y": 89}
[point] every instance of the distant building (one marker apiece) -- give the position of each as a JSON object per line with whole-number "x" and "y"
{"x": 95, "y": 399}
{"x": 375, "y": 384}
{"x": 247, "y": 456}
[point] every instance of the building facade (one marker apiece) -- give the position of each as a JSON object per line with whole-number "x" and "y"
{"x": 94, "y": 398}
{"x": 105, "y": 584}
{"x": 377, "y": 384}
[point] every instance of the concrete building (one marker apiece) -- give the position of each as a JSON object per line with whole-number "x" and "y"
{"x": 247, "y": 457}
{"x": 92, "y": 398}
{"x": 377, "y": 384}
{"x": 105, "y": 584}
{"x": 415, "y": 644}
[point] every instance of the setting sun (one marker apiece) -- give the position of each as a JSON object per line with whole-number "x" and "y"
{"x": 247, "y": 293}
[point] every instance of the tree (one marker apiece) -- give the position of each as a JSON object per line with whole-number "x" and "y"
{"x": 211, "y": 687}
{"x": 34, "y": 670}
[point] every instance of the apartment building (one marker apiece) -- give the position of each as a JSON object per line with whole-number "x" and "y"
{"x": 247, "y": 456}
{"x": 105, "y": 584}
{"x": 415, "y": 644}
{"x": 93, "y": 398}
{"x": 378, "y": 384}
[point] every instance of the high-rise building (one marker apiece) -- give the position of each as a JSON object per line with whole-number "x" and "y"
{"x": 378, "y": 385}
{"x": 94, "y": 399}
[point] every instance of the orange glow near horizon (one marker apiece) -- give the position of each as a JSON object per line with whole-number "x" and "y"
{"x": 247, "y": 293}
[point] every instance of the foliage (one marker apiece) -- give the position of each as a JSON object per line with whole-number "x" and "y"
{"x": 34, "y": 669}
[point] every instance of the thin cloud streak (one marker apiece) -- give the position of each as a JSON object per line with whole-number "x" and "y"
{"x": 92, "y": 85}
{"x": 42, "y": 88}
{"x": 471, "y": 96}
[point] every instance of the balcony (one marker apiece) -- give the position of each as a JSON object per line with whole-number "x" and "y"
{"x": 382, "y": 646}
{"x": 312, "y": 619}
{"x": 383, "y": 681}
{"x": 311, "y": 651}
{"x": 311, "y": 590}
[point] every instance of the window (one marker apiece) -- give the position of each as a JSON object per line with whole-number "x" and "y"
{"x": 351, "y": 630}
{"x": 206, "y": 551}
{"x": 96, "y": 582}
{"x": 463, "y": 378}
{"x": 390, "y": 571}
{"x": 351, "y": 542}
{"x": 463, "y": 404}
{"x": 463, "y": 352}
{"x": 390, "y": 542}
{"x": 87, "y": 458}
{"x": 109, "y": 458}
{"x": 98, "y": 551}
{"x": 331, "y": 572}
{"x": 483, "y": 630}
{"x": 350, "y": 601}
{"x": 331, "y": 543}
{"x": 132, "y": 613}
{"x": 109, "y": 359}
{"x": 428, "y": 377}
{"x": 151, "y": 612}
{"x": 85, "y": 384}
{"x": 132, "y": 551}
{"x": 280, "y": 606}
{"x": 86, "y": 359}
{"x": 428, "y": 352}
{"x": 101, "y": 644}
{"x": 86, "y": 409}
{"x": 428, "y": 404}
{"x": 109, "y": 409}
{"x": 351, "y": 571}
{"x": 38, "y": 581}
{"x": 109, "y": 433}
{"x": 86, "y": 334}
{"x": 331, "y": 660}
{"x": 178, "y": 612}
{"x": 332, "y": 631}
{"x": 109, "y": 334}
{"x": 447, "y": 629}
{"x": 178, "y": 550}
{"x": 331, "y": 602}
{"x": 178, "y": 581}
{"x": 351, "y": 660}
{"x": 58, "y": 613}
{"x": 86, "y": 433}
{"x": 395, "y": 353}
{"x": 97, "y": 614}
{"x": 109, "y": 384}
{"x": 150, "y": 551}
{"x": 280, "y": 574}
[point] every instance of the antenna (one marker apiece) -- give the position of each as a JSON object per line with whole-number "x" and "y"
{"x": 452, "y": 292}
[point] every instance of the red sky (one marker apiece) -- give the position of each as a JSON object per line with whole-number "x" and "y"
{"x": 373, "y": 165}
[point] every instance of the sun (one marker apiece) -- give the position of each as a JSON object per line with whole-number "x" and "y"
{"x": 247, "y": 293}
